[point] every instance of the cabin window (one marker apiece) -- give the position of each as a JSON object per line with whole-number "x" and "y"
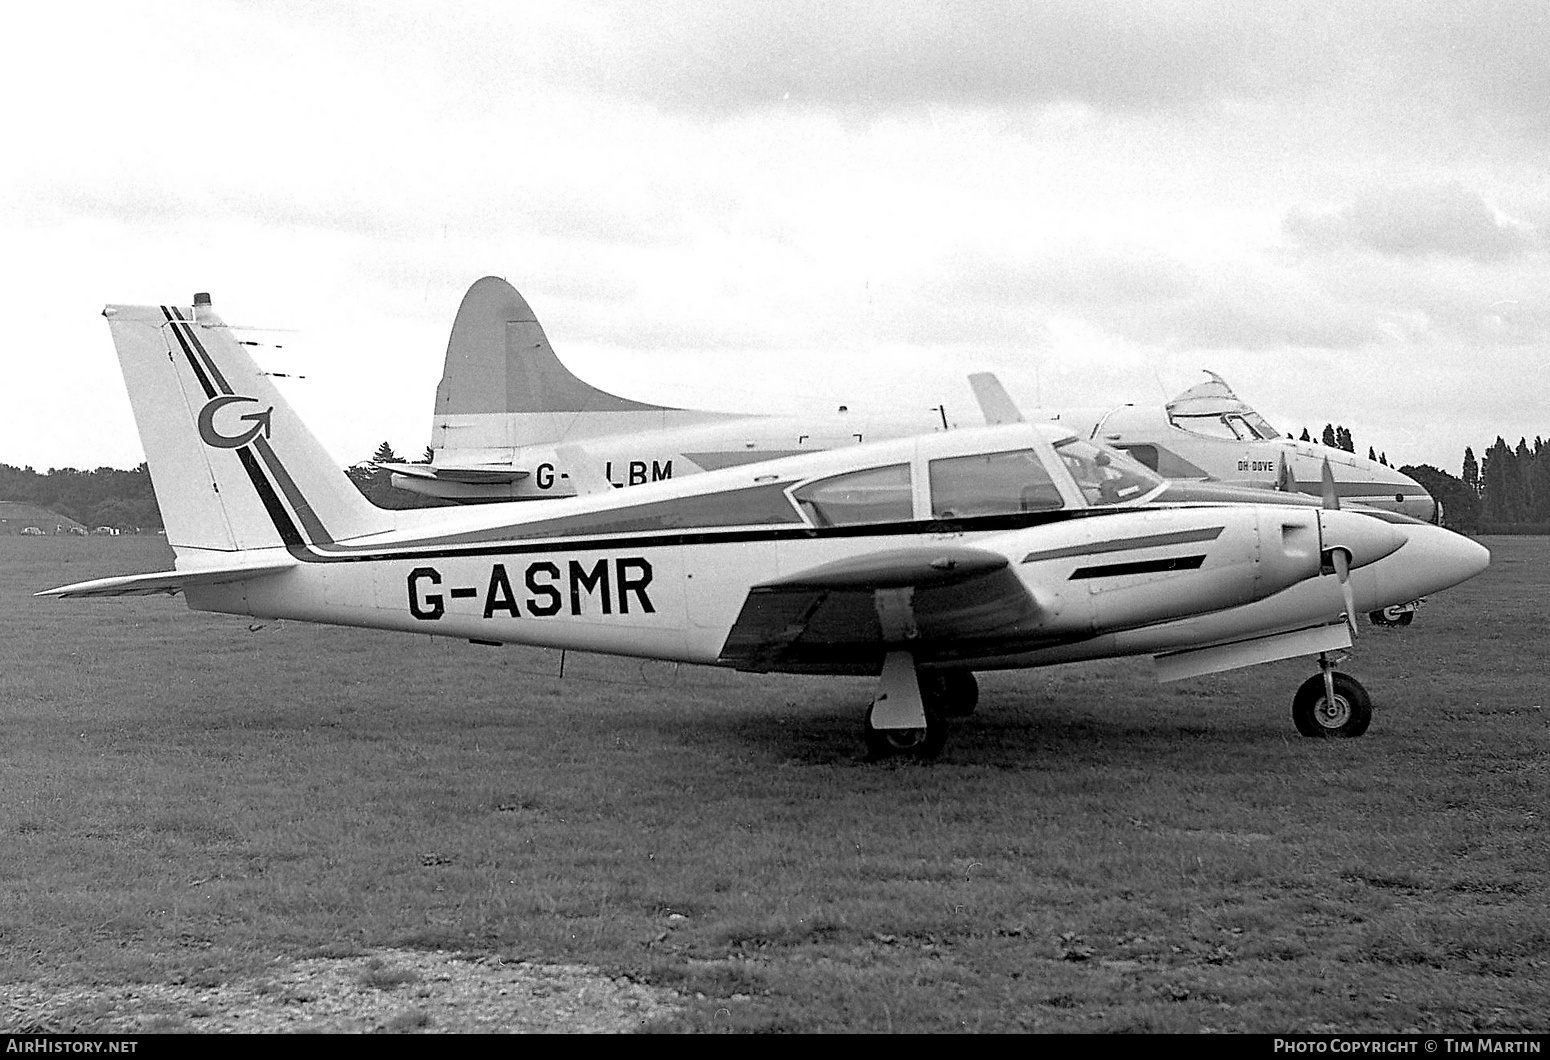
{"x": 1104, "y": 476}
{"x": 877, "y": 495}
{"x": 1146, "y": 454}
{"x": 1164, "y": 461}
{"x": 991, "y": 484}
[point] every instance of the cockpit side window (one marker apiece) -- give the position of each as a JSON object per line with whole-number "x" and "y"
{"x": 991, "y": 484}
{"x": 876, "y": 495}
{"x": 1260, "y": 426}
{"x": 1105, "y": 477}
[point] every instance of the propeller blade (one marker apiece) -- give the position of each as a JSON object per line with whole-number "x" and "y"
{"x": 1331, "y": 499}
{"x": 1343, "y": 574}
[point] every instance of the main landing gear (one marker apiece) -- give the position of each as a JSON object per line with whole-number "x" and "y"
{"x": 1331, "y": 704}
{"x": 909, "y": 714}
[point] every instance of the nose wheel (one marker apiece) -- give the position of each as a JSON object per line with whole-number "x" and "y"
{"x": 1331, "y": 704}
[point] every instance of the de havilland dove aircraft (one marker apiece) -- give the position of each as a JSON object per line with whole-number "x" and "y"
{"x": 919, "y": 560}
{"x": 506, "y": 407}
{"x": 1210, "y": 434}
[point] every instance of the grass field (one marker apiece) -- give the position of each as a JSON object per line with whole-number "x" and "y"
{"x": 187, "y": 800}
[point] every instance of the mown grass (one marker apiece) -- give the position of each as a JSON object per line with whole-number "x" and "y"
{"x": 186, "y": 799}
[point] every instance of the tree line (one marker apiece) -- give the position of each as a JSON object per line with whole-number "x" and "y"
{"x": 126, "y": 500}
{"x": 106, "y": 496}
{"x": 1511, "y": 485}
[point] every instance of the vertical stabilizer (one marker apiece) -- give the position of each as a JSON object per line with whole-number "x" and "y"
{"x": 234, "y": 468}
{"x": 499, "y": 361}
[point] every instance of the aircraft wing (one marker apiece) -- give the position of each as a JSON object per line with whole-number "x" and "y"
{"x": 169, "y": 582}
{"x": 934, "y": 600}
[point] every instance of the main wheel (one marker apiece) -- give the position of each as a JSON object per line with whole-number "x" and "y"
{"x": 1348, "y": 715}
{"x": 913, "y": 743}
{"x": 953, "y": 693}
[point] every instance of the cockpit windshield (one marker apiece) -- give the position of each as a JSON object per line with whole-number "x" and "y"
{"x": 1103, "y": 475}
{"x": 1212, "y": 409}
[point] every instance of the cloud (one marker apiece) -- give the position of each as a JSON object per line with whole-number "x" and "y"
{"x": 1141, "y": 294}
{"x": 1444, "y": 219}
{"x": 1123, "y": 56}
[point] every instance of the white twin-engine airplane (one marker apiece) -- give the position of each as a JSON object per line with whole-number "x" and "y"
{"x": 921, "y": 559}
{"x": 507, "y": 411}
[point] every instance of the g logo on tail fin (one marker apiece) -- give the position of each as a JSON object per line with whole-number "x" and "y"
{"x": 215, "y": 438}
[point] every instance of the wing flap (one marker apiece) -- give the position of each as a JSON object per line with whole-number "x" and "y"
{"x": 169, "y": 582}
{"x": 939, "y": 602}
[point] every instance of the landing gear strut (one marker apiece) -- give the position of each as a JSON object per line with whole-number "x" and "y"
{"x": 906, "y": 715}
{"x": 1331, "y": 704}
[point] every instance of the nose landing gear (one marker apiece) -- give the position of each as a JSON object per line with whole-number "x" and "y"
{"x": 1331, "y": 704}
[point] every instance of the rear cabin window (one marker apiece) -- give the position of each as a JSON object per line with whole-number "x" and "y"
{"x": 877, "y": 495}
{"x": 991, "y": 484}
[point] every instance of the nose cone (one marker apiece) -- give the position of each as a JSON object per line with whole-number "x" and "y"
{"x": 1366, "y": 538}
{"x": 1449, "y": 558}
{"x": 1431, "y": 560}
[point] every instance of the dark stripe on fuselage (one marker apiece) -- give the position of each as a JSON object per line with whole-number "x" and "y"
{"x": 193, "y": 362}
{"x": 294, "y": 542}
{"x": 215, "y": 369}
{"x": 989, "y": 524}
{"x": 1145, "y": 566}
{"x": 316, "y": 532}
{"x": 1180, "y": 537}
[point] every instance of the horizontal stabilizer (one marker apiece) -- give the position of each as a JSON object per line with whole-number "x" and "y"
{"x": 474, "y": 476}
{"x": 168, "y": 582}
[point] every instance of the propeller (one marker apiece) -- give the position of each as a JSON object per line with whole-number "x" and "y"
{"x": 1338, "y": 556}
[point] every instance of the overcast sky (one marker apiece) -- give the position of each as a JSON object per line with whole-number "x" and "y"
{"x": 1341, "y": 208}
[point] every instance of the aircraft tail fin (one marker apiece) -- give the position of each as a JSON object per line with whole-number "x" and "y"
{"x": 235, "y": 469}
{"x": 994, "y": 401}
{"x": 499, "y": 361}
